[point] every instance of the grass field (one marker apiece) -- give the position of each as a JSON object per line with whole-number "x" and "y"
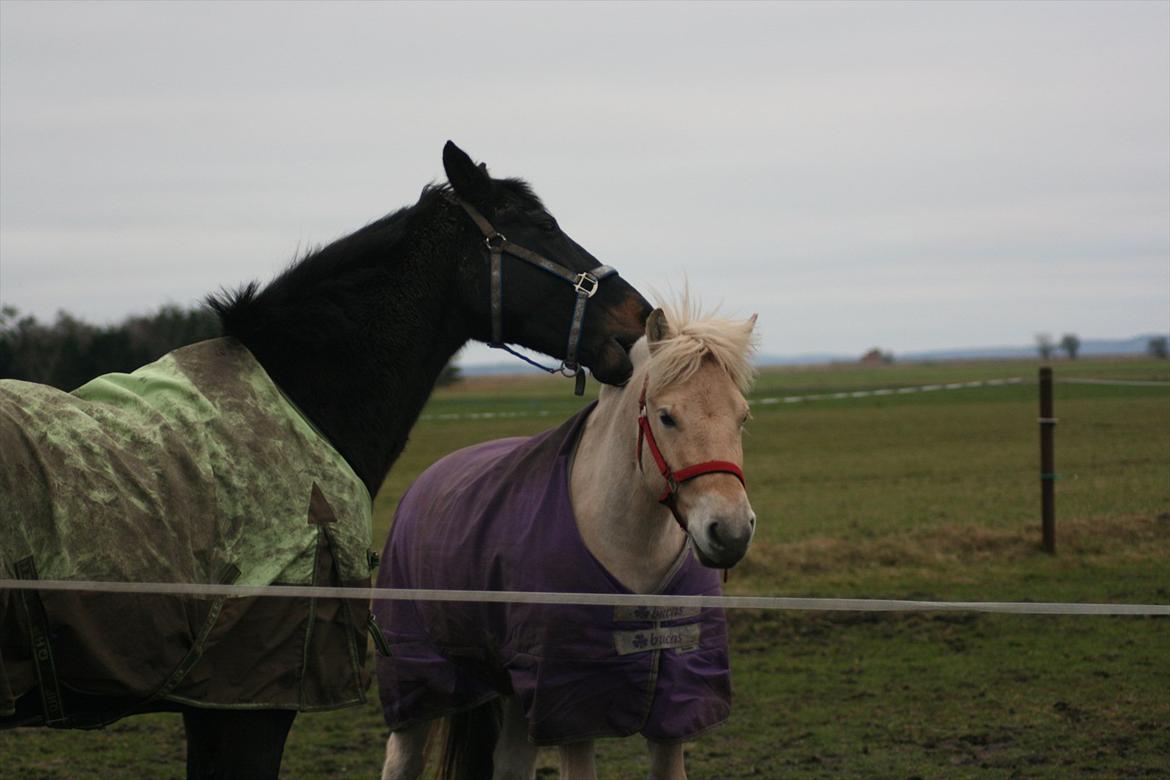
{"x": 921, "y": 495}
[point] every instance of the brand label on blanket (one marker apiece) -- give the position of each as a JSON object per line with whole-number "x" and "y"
{"x": 672, "y": 638}
{"x": 652, "y": 614}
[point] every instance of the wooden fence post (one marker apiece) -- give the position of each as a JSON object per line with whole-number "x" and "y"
{"x": 1047, "y": 463}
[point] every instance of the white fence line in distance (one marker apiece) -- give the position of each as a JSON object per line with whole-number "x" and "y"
{"x": 838, "y": 396}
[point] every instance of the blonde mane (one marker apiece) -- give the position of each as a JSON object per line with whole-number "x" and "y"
{"x": 693, "y": 337}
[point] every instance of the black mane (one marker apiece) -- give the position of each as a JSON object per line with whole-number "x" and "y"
{"x": 326, "y": 273}
{"x": 370, "y": 310}
{"x": 355, "y": 333}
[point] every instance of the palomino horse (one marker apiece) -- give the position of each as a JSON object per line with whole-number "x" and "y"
{"x": 168, "y": 474}
{"x": 590, "y": 506}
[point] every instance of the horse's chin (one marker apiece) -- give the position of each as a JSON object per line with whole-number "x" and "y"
{"x": 714, "y": 562}
{"x": 611, "y": 363}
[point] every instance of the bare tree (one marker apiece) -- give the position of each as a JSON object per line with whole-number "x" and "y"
{"x": 1045, "y": 345}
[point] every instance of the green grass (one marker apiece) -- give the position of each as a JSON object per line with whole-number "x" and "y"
{"x": 927, "y": 495}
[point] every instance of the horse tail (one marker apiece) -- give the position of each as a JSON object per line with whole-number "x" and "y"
{"x": 471, "y": 741}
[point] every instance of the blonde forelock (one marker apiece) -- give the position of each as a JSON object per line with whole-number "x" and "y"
{"x": 693, "y": 337}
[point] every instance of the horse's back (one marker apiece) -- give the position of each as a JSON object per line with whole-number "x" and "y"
{"x": 82, "y": 483}
{"x": 193, "y": 469}
{"x": 433, "y": 520}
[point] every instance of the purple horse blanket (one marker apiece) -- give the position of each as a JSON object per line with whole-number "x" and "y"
{"x": 497, "y": 516}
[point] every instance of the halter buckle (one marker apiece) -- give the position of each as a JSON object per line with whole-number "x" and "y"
{"x": 586, "y": 284}
{"x": 495, "y": 242}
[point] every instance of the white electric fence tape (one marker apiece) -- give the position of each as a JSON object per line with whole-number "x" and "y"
{"x": 590, "y": 599}
{"x": 636, "y": 600}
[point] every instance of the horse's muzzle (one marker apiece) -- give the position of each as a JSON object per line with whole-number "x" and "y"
{"x": 611, "y": 362}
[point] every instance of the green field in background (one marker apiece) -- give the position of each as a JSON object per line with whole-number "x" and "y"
{"x": 926, "y": 495}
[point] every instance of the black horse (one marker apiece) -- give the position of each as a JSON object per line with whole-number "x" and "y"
{"x": 355, "y": 335}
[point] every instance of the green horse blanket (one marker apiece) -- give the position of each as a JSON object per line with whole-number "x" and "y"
{"x": 193, "y": 469}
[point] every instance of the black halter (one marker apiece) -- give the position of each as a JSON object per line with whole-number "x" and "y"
{"x": 585, "y": 283}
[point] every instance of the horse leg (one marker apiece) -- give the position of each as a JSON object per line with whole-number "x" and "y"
{"x": 406, "y": 753}
{"x": 515, "y": 756}
{"x": 577, "y": 761}
{"x": 236, "y": 744}
{"x": 666, "y": 761}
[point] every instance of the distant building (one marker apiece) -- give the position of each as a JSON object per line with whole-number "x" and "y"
{"x": 875, "y": 357}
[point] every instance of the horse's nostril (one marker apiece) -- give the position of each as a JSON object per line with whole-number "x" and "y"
{"x": 713, "y": 533}
{"x": 752, "y": 522}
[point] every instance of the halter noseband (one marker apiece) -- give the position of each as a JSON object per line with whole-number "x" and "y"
{"x": 585, "y": 284}
{"x": 674, "y": 479}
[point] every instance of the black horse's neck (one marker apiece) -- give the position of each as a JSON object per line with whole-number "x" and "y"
{"x": 357, "y": 333}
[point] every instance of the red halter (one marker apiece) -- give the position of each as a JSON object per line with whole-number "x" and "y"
{"x": 673, "y": 479}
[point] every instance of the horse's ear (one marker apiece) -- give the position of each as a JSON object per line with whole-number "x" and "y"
{"x": 657, "y": 328}
{"x": 470, "y": 181}
{"x": 751, "y": 323}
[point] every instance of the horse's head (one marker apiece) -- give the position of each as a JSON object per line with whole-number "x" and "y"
{"x": 692, "y": 413}
{"x": 537, "y": 307}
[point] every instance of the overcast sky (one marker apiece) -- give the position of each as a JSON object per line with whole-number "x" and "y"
{"x": 908, "y": 176}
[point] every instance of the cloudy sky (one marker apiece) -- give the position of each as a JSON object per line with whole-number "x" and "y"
{"x": 909, "y": 176}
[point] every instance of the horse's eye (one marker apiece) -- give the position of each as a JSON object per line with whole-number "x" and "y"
{"x": 549, "y": 225}
{"x": 666, "y": 419}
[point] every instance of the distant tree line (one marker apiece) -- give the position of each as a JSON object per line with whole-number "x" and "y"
{"x": 1070, "y": 344}
{"x": 69, "y": 352}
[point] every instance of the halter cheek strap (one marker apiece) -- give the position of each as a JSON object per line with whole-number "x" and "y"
{"x": 585, "y": 284}
{"x": 673, "y": 478}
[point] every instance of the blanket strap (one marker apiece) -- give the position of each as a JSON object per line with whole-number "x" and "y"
{"x": 228, "y": 576}
{"x": 41, "y": 641}
{"x": 375, "y": 632}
